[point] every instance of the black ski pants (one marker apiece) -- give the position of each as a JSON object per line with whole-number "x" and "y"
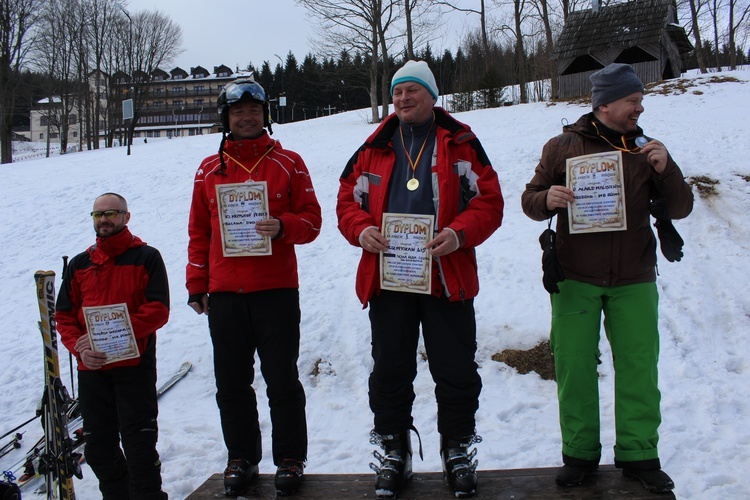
{"x": 449, "y": 330}
{"x": 266, "y": 322}
{"x": 119, "y": 406}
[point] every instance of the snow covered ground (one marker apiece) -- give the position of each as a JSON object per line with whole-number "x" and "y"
{"x": 705, "y": 309}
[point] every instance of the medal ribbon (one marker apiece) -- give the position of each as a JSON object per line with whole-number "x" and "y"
{"x": 251, "y": 170}
{"x": 414, "y": 164}
{"x": 634, "y": 151}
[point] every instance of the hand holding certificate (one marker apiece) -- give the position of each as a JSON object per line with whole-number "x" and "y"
{"x": 406, "y": 265}
{"x": 111, "y": 332}
{"x": 596, "y": 182}
{"x": 241, "y": 206}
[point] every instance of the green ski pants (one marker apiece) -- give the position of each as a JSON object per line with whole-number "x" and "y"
{"x": 631, "y": 326}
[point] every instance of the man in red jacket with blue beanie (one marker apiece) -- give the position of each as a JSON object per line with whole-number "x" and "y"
{"x": 422, "y": 162}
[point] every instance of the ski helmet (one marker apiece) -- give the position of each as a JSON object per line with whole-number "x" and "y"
{"x": 242, "y": 89}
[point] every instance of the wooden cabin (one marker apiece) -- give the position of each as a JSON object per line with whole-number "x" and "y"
{"x": 642, "y": 33}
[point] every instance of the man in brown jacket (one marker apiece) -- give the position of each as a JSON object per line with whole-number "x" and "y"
{"x": 607, "y": 266}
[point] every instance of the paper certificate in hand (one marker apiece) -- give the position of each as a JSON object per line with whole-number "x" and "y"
{"x": 240, "y": 207}
{"x": 596, "y": 182}
{"x": 111, "y": 332}
{"x": 406, "y": 265}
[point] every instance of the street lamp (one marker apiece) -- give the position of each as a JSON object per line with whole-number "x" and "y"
{"x": 282, "y": 96}
{"x": 128, "y": 133}
{"x": 182, "y": 108}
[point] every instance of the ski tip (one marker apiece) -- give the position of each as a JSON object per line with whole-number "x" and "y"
{"x": 42, "y": 273}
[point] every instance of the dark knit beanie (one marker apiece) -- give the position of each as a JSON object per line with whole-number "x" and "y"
{"x": 613, "y": 82}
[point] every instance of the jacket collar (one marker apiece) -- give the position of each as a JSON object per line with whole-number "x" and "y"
{"x": 112, "y": 246}
{"x": 381, "y": 138}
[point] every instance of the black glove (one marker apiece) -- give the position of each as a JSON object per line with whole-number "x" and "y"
{"x": 197, "y": 298}
{"x": 669, "y": 240}
{"x": 551, "y": 268}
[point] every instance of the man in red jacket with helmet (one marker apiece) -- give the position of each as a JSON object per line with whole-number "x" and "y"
{"x": 252, "y": 202}
{"x": 117, "y": 399}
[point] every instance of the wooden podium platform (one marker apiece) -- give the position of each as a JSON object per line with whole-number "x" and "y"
{"x": 516, "y": 484}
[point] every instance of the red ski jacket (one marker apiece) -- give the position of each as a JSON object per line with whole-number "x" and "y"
{"x": 291, "y": 200}
{"x": 121, "y": 268}
{"x": 469, "y": 201}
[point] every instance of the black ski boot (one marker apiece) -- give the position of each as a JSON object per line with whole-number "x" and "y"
{"x": 289, "y": 476}
{"x": 395, "y": 466}
{"x": 653, "y": 480}
{"x": 459, "y": 466}
{"x": 237, "y": 476}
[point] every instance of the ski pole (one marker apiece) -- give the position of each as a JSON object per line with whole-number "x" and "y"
{"x": 18, "y": 427}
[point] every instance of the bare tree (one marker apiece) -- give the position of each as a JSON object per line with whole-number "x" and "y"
{"x": 358, "y": 25}
{"x": 700, "y": 53}
{"x": 544, "y": 13}
{"x": 100, "y": 32}
{"x": 737, "y": 16}
{"x": 17, "y": 18}
{"x": 714, "y": 8}
{"x": 61, "y": 23}
{"x": 422, "y": 21}
{"x": 482, "y": 12}
{"x": 152, "y": 40}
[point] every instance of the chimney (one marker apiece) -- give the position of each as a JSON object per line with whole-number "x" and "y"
{"x": 595, "y": 6}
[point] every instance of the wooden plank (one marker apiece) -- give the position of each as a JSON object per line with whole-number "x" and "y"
{"x": 517, "y": 484}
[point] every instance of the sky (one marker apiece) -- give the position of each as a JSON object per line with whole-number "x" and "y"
{"x": 239, "y": 32}
{"x": 704, "y": 306}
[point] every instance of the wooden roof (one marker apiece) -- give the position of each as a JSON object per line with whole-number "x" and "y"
{"x": 630, "y": 24}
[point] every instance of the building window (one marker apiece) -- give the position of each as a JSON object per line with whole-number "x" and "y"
{"x": 43, "y": 121}
{"x": 72, "y": 119}
{"x": 41, "y": 135}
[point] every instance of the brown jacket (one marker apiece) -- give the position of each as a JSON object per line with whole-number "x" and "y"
{"x": 610, "y": 258}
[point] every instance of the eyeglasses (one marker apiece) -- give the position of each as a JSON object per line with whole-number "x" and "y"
{"x": 109, "y": 214}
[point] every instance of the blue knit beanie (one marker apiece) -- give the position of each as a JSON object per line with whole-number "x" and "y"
{"x": 416, "y": 71}
{"x": 613, "y": 82}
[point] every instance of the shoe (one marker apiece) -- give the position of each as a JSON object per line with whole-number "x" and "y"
{"x": 653, "y": 480}
{"x": 395, "y": 466}
{"x": 289, "y": 475}
{"x": 459, "y": 466}
{"x": 573, "y": 475}
{"x": 237, "y": 476}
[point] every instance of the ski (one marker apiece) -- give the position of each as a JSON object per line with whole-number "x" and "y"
{"x": 30, "y": 464}
{"x": 181, "y": 372}
{"x": 61, "y": 463}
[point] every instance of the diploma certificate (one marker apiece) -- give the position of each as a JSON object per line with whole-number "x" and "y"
{"x": 596, "y": 182}
{"x": 111, "y": 332}
{"x": 406, "y": 265}
{"x": 241, "y": 206}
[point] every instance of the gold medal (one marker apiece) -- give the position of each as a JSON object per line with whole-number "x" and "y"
{"x": 412, "y": 185}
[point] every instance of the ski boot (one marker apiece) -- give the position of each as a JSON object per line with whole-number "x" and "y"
{"x": 237, "y": 476}
{"x": 459, "y": 466}
{"x": 395, "y": 466}
{"x": 289, "y": 475}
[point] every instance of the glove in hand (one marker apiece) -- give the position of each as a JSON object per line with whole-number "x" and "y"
{"x": 670, "y": 240}
{"x": 551, "y": 268}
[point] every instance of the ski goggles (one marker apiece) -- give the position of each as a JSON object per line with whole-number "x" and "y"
{"x": 109, "y": 214}
{"x": 234, "y": 91}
